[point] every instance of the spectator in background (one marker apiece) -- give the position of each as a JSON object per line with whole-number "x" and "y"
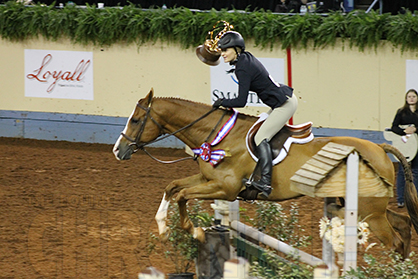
{"x": 290, "y": 6}
{"x": 404, "y": 123}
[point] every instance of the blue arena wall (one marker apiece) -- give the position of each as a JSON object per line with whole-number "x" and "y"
{"x": 106, "y": 130}
{"x": 68, "y": 127}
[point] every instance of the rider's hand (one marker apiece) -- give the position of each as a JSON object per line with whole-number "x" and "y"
{"x": 410, "y": 130}
{"x": 217, "y": 103}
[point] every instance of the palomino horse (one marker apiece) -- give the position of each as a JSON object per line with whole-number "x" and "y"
{"x": 194, "y": 123}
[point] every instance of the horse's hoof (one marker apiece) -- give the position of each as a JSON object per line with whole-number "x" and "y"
{"x": 164, "y": 236}
{"x": 199, "y": 234}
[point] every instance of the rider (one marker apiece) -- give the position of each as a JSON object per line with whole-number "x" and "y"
{"x": 252, "y": 75}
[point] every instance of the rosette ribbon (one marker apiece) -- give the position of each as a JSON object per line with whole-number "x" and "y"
{"x": 205, "y": 151}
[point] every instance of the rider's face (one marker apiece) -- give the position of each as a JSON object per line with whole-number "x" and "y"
{"x": 229, "y": 54}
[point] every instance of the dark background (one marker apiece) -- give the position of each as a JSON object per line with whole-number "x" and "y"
{"x": 389, "y": 6}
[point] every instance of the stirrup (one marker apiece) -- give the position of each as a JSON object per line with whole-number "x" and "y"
{"x": 247, "y": 182}
{"x": 263, "y": 188}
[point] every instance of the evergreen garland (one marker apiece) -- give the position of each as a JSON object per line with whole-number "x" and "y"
{"x": 133, "y": 25}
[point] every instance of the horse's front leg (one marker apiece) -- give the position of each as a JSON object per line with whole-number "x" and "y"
{"x": 206, "y": 191}
{"x": 171, "y": 189}
{"x": 177, "y": 185}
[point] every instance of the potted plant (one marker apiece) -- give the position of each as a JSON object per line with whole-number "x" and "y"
{"x": 179, "y": 246}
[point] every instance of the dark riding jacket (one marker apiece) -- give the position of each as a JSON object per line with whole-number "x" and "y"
{"x": 253, "y": 76}
{"x": 404, "y": 117}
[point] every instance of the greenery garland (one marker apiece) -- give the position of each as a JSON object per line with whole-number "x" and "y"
{"x": 131, "y": 24}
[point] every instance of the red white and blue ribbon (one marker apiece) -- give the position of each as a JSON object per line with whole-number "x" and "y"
{"x": 205, "y": 151}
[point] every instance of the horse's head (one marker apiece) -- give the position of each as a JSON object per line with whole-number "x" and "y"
{"x": 140, "y": 129}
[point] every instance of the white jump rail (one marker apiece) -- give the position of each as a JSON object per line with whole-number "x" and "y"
{"x": 275, "y": 244}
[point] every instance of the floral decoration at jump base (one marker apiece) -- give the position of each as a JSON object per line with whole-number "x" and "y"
{"x": 334, "y": 232}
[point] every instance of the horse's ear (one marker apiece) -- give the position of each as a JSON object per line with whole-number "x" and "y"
{"x": 150, "y": 96}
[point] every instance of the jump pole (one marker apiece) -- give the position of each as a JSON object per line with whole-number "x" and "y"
{"x": 351, "y": 212}
{"x": 275, "y": 244}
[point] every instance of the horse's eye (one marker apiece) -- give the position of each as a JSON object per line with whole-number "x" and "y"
{"x": 135, "y": 121}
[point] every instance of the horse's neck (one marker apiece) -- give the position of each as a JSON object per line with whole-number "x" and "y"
{"x": 179, "y": 113}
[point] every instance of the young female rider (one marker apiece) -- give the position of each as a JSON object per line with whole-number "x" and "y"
{"x": 252, "y": 75}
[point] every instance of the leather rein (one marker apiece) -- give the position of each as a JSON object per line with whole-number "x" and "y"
{"x": 141, "y": 146}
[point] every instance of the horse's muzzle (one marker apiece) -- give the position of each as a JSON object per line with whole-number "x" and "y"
{"x": 122, "y": 152}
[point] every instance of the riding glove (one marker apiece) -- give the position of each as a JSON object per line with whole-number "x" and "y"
{"x": 217, "y": 103}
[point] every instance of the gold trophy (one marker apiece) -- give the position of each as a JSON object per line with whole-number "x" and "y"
{"x": 209, "y": 53}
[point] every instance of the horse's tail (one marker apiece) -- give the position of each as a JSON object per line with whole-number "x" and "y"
{"x": 411, "y": 197}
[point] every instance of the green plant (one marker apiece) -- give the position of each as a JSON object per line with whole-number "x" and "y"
{"x": 332, "y": 27}
{"x": 282, "y": 269}
{"x": 272, "y": 219}
{"x": 403, "y": 31}
{"x": 179, "y": 246}
{"x": 389, "y": 265}
{"x": 132, "y": 25}
{"x": 366, "y": 30}
{"x": 300, "y": 30}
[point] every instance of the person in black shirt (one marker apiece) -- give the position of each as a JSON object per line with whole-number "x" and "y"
{"x": 289, "y": 6}
{"x": 406, "y": 122}
{"x": 253, "y": 76}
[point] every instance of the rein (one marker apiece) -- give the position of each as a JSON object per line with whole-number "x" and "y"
{"x": 134, "y": 142}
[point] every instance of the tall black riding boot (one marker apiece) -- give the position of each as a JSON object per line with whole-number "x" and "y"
{"x": 265, "y": 161}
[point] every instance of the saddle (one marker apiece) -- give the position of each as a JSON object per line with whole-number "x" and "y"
{"x": 280, "y": 145}
{"x": 282, "y": 141}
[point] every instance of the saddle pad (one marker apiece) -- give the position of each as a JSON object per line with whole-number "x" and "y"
{"x": 283, "y": 152}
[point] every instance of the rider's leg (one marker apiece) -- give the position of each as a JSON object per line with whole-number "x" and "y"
{"x": 277, "y": 118}
{"x": 275, "y": 121}
{"x": 266, "y": 163}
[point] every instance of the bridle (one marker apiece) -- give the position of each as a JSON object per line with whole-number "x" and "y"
{"x": 136, "y": 144}
{"x": 136, "y": 141}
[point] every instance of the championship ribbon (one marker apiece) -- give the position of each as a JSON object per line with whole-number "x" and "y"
{"x": 205, "y": 151}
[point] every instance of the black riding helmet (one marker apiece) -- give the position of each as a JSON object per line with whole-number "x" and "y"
{"x": 231, "y": 39}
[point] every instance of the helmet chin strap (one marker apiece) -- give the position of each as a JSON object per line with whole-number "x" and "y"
{"x": 236, "y": 60}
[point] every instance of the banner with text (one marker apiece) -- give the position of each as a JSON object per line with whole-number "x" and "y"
{"x": 59, "y": 74}
{"x": 224, "y": 85}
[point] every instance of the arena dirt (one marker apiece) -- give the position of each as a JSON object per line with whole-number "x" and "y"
{"x": 71, "y": 210}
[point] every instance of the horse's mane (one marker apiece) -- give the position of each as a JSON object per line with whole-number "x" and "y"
{"x": 178, "y": 99}
{"x": 181, "y": 100}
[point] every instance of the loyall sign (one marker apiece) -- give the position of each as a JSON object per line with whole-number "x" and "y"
{"x": 59, "y": 74}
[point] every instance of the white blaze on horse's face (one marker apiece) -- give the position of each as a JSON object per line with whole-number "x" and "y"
{"x": 121, "y": 148}
{"x": 140, "y": 129}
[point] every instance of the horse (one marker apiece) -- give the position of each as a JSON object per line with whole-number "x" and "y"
{"x": 194, "y": 123}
